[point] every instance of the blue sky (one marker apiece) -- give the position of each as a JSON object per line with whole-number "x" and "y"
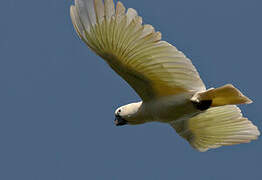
{"x": 57, "y": 98}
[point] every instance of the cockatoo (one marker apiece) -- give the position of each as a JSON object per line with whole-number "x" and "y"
{"x": 170, "y": 87}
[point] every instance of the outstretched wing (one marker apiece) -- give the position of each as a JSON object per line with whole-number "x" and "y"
{"x": 153, "y": 68}
{"x": 218, "y": 126}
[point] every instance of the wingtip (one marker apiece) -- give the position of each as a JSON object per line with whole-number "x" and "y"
{"x": 257, "y": 132}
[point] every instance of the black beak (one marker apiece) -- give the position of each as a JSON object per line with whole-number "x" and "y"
{"x": 119, "y": 121}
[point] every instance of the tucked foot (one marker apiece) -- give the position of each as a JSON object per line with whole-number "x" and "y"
{"x": 202, "y": 105}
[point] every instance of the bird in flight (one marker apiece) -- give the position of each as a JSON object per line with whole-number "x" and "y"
{"x": 170, "y": 87}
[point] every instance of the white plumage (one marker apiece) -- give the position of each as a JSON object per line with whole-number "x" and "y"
{"x": 167, "y": 82}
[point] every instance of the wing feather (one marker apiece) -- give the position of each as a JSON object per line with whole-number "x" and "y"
{"x": 109, "y": 9}
{"x": 99, "y": 10}
{"x": 218, "y": 126}
{"x": 154, "y": 68}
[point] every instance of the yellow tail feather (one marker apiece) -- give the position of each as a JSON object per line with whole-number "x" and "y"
{"x": 225, "y": 95}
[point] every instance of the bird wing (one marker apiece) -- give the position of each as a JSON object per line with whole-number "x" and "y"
{"x": 153, "y": 68}
{"x": 215, "y": 127}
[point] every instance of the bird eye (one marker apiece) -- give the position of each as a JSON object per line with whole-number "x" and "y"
{"x": 119, "y": 110}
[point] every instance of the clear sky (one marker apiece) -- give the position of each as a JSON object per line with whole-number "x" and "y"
{"x": 57, "y": 98}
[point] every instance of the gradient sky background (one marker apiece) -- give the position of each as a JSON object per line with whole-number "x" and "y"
{"x": 57, "y": 98}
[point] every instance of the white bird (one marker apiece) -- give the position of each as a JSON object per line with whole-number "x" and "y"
{"x": 167, "y": 82}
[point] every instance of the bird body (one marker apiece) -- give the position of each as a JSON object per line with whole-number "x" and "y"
{"x": 165, "y": 109}
{"x": 169, "y": 85}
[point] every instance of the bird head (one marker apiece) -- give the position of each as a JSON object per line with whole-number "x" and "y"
{"x": 126, "y": 114}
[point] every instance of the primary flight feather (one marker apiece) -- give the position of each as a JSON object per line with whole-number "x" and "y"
{"x": 167, "y": 82}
